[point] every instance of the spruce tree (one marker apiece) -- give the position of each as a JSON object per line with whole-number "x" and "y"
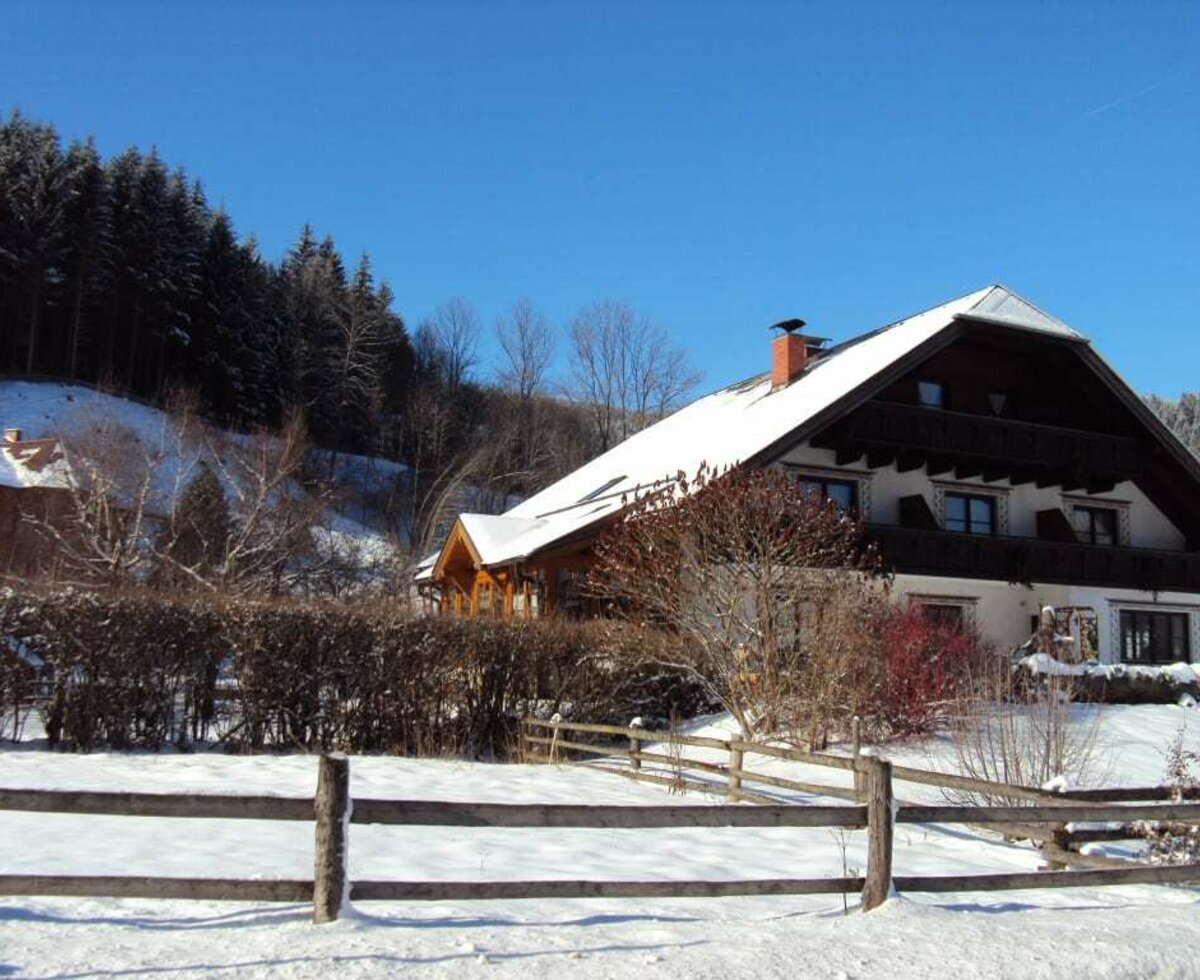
{"x": 202, "y": 526}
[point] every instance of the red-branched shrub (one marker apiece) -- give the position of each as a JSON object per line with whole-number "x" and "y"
{"x": 925, "y": 662}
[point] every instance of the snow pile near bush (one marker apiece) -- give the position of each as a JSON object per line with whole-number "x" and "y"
{"x": 1042, "y": 663}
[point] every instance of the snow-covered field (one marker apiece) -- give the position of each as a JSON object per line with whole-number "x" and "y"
{"x": 1135, "y": 931}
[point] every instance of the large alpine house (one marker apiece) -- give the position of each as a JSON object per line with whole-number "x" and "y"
{"x": 1001, "y": 464}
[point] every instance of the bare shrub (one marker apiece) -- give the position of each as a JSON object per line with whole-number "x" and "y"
{"x": 1006, "y": 730}
{"x": 1176, "y": 842}
{"x": 137, "y": 668}
{"x": 767, "y": 590}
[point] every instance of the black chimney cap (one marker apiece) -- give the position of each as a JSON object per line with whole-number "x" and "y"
{"x": 789, "y": 326}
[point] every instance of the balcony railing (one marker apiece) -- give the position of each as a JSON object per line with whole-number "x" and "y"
{"x": 1010, "y": 559}
{"x": 980, "y": 441}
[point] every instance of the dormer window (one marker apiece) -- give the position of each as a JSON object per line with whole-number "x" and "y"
{"x": 931, "y": 394}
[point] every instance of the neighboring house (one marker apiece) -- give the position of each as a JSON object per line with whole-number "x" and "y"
{"x": 1000, "y": 463}
{"x": 35, "y": 482}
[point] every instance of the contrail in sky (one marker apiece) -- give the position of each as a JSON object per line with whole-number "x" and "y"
{"x": 1135, "y": 95}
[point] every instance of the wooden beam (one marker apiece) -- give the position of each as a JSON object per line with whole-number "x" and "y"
{"x": 1067, "y": 813}
{"x": 937, "y": 465}
{"x": 877, "y": 459}
{"x": 449, "y": 891}
{"x": 906, "y": 461}
{"x": 127, "y": 886}
{"x": 1154, "y": 875}
{"x": 847, "y": 455}
{"x": 455, "y": 814}
{"x": 158, "y": 804}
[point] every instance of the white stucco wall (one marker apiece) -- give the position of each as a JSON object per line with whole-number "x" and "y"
{"x": 1003, "y": 612}
{"x": 1143, "y": 524}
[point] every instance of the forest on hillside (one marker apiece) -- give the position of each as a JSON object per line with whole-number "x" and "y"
{"x": 121, "y": 274}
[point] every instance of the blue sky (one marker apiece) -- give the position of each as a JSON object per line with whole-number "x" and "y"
{"x": 719, "y": 166}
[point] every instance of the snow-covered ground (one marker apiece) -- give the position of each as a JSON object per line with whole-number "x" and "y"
{"x": 1135, "y": 931}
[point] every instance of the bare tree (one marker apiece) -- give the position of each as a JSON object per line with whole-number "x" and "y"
{"x": 625, "y": 370}
{"x": 767, "y": 589}
{"x": 454, "y": 329}
{"x": 527, "y": 341}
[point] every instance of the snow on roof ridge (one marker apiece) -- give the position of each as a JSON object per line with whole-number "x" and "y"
{"x": 1004, "y": 305}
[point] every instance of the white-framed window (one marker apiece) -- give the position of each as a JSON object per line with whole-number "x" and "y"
{"x": 1154, "y": 636}
{"x": 849, "y": 489}
{"x": 970, "y": 509}
{"x": 950, "y": 610}
{"x": 1104, "y": 523}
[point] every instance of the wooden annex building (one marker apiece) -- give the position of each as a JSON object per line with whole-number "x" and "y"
{"x": 999, "y": 461}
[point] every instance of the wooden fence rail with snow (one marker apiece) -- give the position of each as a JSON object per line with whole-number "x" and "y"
{"x": 333, "y": 811}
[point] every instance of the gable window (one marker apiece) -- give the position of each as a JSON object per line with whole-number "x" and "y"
{"x": 970, "y": 514}
{"x": 1095, "y": 525}
{"x": 1152, "y": 637}
{"x": 931, "y": 394}
{"x": 844, "y": 493}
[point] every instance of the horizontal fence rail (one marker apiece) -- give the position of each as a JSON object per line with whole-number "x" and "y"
{"x": 332, "y": 811}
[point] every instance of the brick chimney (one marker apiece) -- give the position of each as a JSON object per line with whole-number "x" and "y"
{"x": 791, "y": 352}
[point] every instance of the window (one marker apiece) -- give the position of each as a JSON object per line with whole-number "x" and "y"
{"x": 1095, "y": 525}
{"x": 945, "y": 615}
{"x": 1152, "y": 637}
{"x": 970, "y": 514}
{"x": 931, "y": 394}
{"x": 844, "y": 493}
{"x": 997, "y": 401}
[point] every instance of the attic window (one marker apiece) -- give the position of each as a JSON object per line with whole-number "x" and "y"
{"x": 607, "y": 485}
{"x": 931, "y": 394}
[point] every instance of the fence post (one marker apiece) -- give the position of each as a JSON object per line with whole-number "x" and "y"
{"x": 736, "y": 756}
{"x": 635, "y": 746}
{"x": 860, "y": 779}
{"x": 1060, "y": 838}
{"x": 332, "y": 804}
{"x": 879, "y": 831}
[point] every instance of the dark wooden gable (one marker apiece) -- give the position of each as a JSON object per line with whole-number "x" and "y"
{"x": 1066, "y": 420}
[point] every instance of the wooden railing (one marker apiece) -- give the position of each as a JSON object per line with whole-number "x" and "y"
{"x": 1044, "y": 818}
{"x": 1017, "y": 559}
{"x": 333, "y": 812}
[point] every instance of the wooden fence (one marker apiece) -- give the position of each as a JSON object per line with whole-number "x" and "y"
{"x": 1059, "y": 843}
{"x": 334, "y": 811}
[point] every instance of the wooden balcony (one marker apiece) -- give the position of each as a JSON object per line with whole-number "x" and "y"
{"x": 973, "y": 445}
{"x": 1026, "y": 560}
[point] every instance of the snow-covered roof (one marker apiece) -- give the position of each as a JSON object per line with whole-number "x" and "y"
{"x": 34, "y": 463}
{"x": 730, "y": 426}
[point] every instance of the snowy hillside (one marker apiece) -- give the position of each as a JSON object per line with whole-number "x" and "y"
{"x": 43, "y": 409}
{"x": 1126, "y": 932}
